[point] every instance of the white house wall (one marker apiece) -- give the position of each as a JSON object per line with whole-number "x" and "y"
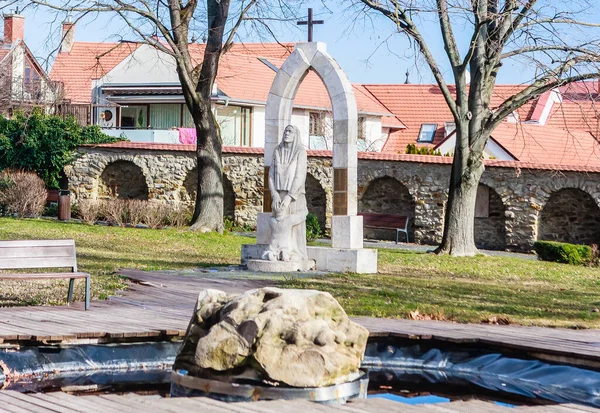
{"x": 373, "y": 134}
{"x": 145, "y": 66}
{"x": 18, "y": 69}
{"x": 258, "y": 126}
{"x": 301, "y": 121}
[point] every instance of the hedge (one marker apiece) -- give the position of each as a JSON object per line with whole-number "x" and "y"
{"x": 563, "y": 252}
{"x": 44, "y": 144}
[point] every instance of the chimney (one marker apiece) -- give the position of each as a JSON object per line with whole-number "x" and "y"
{"x": 14, "y": 27}
{"x": 68, "y": 36}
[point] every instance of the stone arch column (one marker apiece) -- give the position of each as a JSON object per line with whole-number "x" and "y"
{"x": 278, "y": 114}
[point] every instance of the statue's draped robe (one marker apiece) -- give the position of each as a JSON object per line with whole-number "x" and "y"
{"x": 287, "y": 176}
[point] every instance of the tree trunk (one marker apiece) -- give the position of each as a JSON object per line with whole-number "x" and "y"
{"x": 208, "y": 212}
{"x": 458, "y": 239}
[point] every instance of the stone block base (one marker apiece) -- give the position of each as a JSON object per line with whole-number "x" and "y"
{"x": 280, "y": 266}
{"x": 361, "y": 260}
{"x": 347, "y": 231}
{"x": 252, "y": 252}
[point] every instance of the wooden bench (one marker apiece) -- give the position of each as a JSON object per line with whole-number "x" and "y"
{"x": 386, "y": 221}
{"x": 29, "y": 254}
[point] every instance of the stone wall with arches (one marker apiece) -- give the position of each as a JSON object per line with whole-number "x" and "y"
{"x": 523, "y": 203}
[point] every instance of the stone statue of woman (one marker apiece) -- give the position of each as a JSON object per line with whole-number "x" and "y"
{"x": 287, "y": 178}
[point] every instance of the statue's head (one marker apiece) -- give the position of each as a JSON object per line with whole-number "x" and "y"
{"x": 290, "y": 133}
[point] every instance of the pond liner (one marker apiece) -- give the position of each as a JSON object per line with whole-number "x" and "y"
{"x": 422, "y": 364}
{"x": 107, "y": 366}
{"x": 103, "y": 365}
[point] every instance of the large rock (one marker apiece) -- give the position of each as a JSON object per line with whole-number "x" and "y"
{"x": 302, "y": 338}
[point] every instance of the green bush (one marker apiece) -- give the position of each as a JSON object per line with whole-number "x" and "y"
{"x": 563, "y": 252}
{"x": 313, "y": 229}
{"x": 230, "y": 225}
{"x": 412, "y": 149}
{"x": 44, "y": 144}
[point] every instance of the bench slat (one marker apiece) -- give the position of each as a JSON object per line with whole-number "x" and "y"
{"x": 383, "y": 220}
{"x": 37, "y": 243}
{"x": 27, "y": 252}
{"x": 43, "y": 275}
{"x": 39, "y": 262}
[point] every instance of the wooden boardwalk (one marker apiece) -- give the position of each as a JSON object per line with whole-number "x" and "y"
{"x": 158, "y": 306}
{"x": 13, "y": 402}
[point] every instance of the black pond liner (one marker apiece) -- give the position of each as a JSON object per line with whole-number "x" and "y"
{"x": 105, "y": 365}
{"x": 421, "y": 364}
{"x": 142, "y": 365}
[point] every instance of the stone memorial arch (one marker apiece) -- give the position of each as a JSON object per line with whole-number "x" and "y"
{"x": 347, "y": 252}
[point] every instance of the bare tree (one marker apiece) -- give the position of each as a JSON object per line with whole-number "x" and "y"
{"x": 169, "y": 26}
{"x": 552, "y": 37}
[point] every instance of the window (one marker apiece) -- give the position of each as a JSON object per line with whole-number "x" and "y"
{"x": 362, "y": 128}
{"x": 234, "y": 122}
{"x": 482, "y": 202}
{"x": 427, "y": 132}
{"x": 134, "y": 117}
{"x": 316, "y": 123}
{"x": 188, "y": 121}
{"x": 449, "y": 127}
{"x": 165, "y": 116}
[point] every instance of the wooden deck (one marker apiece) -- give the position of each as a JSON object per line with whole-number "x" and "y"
{"x": 159, "y": 305}
{"x": 13, "y": 402}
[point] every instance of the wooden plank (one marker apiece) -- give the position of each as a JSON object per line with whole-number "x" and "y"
{"x": 128, "y": 404}
{"x": 60, "y": 403}
{"x": 36, "y": 405}
{"x": 16, "y": 406}
{"x": 105, "y": 405}
{"x": 36, "y": 262}
{"x": 199, "y": 404}
{"x": 42, "y": 276}
{"x": 29, "y": 243}
{"x": 48, "y": 251}
{"x": 81, "y": 402}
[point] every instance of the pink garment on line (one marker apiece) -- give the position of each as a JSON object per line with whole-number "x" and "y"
{"x": 187, "y": 136}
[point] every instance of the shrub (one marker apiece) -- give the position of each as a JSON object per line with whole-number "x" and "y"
{"x": 412, "y": 149}
{"x": 88, "y": 210}
{"x": 155, "y": 214}
{"x": 313, "y": 229}
{"x": 563, "y": 252}
{"x": 135, "y": 210}
{"x": 595, "y": 260}
{"x": 22, "y": 193}
{"x": 115, "y": 211}
{"x": 179, "y": 215}
{"x": 44, "y": 144}
{"x": 51, "y": 210}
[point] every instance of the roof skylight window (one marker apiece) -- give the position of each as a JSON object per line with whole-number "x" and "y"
{"x": 427, "y": 132}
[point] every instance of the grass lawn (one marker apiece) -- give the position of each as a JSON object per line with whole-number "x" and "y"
{"x": 409, "y": 285}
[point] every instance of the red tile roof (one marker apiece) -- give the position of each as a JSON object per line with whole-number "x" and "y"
{"x": 540, "y": 144}
{"x": 415, "y": 105}
{"x": 85, "y": 62}
{"x": 576, "y": 115}
{"x": 242, "y": 76}
{"x": 377, "y": 156}
{"x": 88, "y": 61}
{"x": 245, "y": 78}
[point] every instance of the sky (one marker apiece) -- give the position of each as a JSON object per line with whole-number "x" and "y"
{"x": 368, "y": 48}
